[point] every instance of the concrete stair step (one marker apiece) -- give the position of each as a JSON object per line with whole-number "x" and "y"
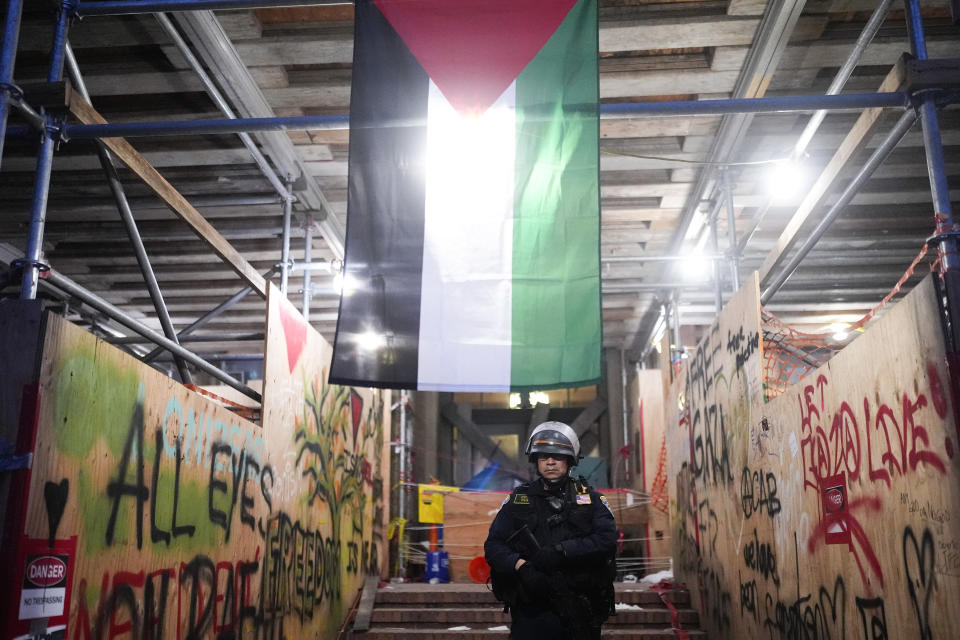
{"x": 434, "y": 598}
{"x": 415, "y": 611}
{"x": 474, "y": 594}
{"x": 642, "y": 597}
{"x": 446, "y": 616}
{"x": 452, "y": 616}
{"x": 654, "y": 616}
{"x": 398, "y": 633}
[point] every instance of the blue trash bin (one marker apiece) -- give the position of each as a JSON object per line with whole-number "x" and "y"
{"x": 438, "y": 567}
{"x": 444, "y": 567}
{"x": 432, "y": 573}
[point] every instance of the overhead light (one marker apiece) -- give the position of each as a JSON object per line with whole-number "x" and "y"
{"x": 840, "y": 331}
{"x": 696, "y": 268}
{"x": 784, "y": 179}
{"x": 371, "y": 341}
{"x": 536, "y": 397}
{"x": 343, "y": 283}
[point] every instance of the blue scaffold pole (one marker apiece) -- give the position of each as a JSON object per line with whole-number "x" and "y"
{"x": 126, "y": 7}
{"x": 8, "y": 54}
{"x": 607, "y": 111}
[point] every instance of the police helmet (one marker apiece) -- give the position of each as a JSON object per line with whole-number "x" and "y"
{"x": 553, "y": 437}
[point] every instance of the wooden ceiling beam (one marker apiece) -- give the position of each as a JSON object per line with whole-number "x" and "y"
{"x": 817, "y": 194}
{"x": 475, "y": 435}
{"x": 122, "y": 149}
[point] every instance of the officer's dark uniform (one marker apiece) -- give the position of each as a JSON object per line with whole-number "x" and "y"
{"x": 581, "y": 535}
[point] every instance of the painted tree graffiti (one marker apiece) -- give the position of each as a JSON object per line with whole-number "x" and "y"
{"x": 332, "y": 437}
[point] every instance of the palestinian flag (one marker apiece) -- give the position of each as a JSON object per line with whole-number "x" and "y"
{"x": 472, "y": 251}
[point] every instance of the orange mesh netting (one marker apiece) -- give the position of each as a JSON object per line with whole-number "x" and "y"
{"x": 658, "y": 491}
{"x": 250, "y": 413}
{"x": 788, "y": 354}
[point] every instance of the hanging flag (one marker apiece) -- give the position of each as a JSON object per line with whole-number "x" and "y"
{"x": 473, "y": 235}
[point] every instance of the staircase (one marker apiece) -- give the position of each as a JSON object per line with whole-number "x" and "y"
{"x": 469, "y": 612}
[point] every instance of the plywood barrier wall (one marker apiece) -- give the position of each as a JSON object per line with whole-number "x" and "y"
{"x": 333, "y": 471}
{"x": 832, "y": 510}
{"x": 466, "y": 521}
{"x": 179, "y": 519}
{"x": 649, "y": 445}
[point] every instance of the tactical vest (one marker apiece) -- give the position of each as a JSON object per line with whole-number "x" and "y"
{"x": 590, "y": 583}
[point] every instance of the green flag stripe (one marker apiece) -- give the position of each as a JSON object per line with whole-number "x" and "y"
{"x": 556, "y": 239}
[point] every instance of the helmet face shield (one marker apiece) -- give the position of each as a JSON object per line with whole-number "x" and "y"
{"x": 554, "y": 438}
{"x": 552, "y": 442}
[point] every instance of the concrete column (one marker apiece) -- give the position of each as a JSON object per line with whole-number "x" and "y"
{"x": 463, "y": 465}
{"x": 425, "y": 428}
{"x": 445, "y": 442}
{"x": 612, "y": 441}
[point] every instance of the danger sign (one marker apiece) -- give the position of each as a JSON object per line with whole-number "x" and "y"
{"x": 44, "y": 589}
{"x": 46, "y": 571}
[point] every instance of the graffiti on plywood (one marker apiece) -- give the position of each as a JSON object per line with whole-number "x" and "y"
{"x": 829, "y": 511}
{"x": 335, "y": 450}
{"x": 192, "y": 522}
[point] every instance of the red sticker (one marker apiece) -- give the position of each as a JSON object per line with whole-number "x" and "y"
{"x": 834, "y": 499}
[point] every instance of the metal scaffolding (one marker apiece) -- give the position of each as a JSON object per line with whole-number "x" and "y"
{"x": 917, "y": 104}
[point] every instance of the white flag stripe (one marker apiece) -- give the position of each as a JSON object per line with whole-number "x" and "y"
{"x": 466, "y": 293}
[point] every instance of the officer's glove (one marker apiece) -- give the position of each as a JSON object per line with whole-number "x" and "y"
{"x": 534, "y": 582}
{"x": 548, "y": 558}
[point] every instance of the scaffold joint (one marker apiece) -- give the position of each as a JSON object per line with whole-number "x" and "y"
{"x": 42, "y": 267}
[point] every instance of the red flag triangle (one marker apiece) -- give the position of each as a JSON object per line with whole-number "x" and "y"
{"x": 474, "y": 49}
{"x": 356, "y": 410}
{"x": 294, "y": 332}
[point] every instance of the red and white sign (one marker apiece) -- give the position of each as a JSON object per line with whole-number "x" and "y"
{"x": 46, "y": 571}
{"x": 833, "y": 498}
{"x": 44, "y": 590}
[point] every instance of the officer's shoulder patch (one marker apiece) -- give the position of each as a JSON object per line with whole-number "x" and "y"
{"x": 521, "y": 498}
{"x": 603, "y": 499}
{"x": 583, "y": 498}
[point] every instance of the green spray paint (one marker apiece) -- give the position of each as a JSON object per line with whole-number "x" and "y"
{"x": 92, "y": 399}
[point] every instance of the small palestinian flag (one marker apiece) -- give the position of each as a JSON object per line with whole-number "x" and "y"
{"x": 472, "y": 250}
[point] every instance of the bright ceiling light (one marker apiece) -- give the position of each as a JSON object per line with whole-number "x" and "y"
{"x": 371, "y": 341}
{"x": 696, "y": 268}
{"x": 535, "y": 397}
{"x": 343, "y": 283}
{"x": 840, "y": 331}
{"x": 784, "y": 179}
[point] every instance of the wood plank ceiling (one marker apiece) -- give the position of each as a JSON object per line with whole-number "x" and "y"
{"x": 650, "y": 51}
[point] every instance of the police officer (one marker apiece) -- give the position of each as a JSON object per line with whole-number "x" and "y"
{"x": 551, "y": 547}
